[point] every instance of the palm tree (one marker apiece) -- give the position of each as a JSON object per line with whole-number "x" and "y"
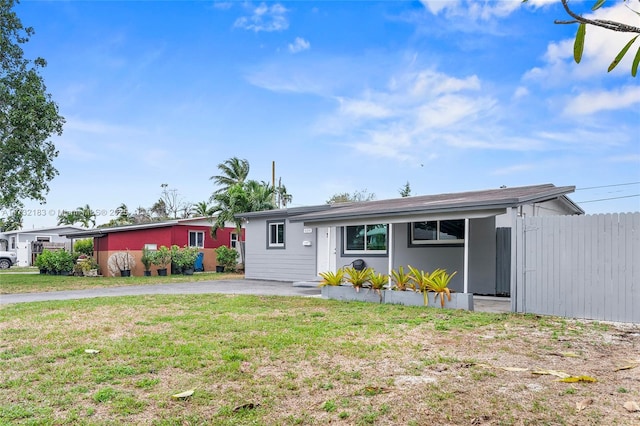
{"x": 233, "y": 171}
{"x": 68, "y": 218}
{"x": 259, "y": 196}
{"x": 251, "y": 196}
{"x": 159, "y": 209}
{"x": 86, "y": 216}
{"x": 202, "y": 209}
{"x": 283, "y": 197}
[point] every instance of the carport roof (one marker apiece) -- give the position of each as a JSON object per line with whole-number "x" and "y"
{"x": 490, "y": 201}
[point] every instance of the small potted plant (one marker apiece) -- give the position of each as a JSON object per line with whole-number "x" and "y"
{"x": 226, "y": 259}
{"x": 176, "y": 260}
{"x": 188, "y": 259}
{"x": 161, "y": 258}
{"x": 43, "y": 262}
{"x": 146, "y": 259}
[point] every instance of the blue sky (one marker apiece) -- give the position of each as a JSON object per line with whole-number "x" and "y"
{"x": 343, "y": 96}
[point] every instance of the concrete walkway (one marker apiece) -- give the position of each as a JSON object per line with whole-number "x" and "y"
{"x": 255, "y": 287}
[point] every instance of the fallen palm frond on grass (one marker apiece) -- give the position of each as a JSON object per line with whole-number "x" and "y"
{"x": 284, "y": 361}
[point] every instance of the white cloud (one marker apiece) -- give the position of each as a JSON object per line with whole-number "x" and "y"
{"x": 521, "y": 92}
{"x": 363, "y": 109}
{"x": 471, "y": 9}
{"x": 299, "y": 45}
{"x": 592, "y": 102}
{"x": 264, "y": 18}
{"x": 222, "y": 5}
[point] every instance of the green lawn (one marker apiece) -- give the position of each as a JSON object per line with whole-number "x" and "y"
{"x": 303, "y": 361}
{"x": 31, "y": 283}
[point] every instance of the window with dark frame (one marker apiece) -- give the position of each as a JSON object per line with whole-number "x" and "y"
{"x": 437, "y": 232}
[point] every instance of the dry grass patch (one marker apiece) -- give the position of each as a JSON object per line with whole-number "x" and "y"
{"x": 280, "y": 361}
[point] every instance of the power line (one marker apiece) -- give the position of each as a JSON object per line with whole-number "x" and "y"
{"x": 608, "y": 186}
{"x": 607, "y": 199}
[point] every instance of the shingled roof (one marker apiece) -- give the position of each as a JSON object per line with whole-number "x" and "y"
{"x": 484, "y": 200}
{"x": 489, "y": 201}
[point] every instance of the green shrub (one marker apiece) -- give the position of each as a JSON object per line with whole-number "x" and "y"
{"x": 161, "y": 257}
{"x": 147, "y": 258}
{"x": 227, "y": 257}
{"x": 44, "y": 261}
{"x": 84, "y": 246}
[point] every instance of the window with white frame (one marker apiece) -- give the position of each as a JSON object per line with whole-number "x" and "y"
{"x": 438, "y": 232}
{"x": 275, "y": 234}
{"x": 196, "y": 239}
{"x": 365, "y": 239}
{"x": 13, "y": 243}
{"x": 233, "y": 242}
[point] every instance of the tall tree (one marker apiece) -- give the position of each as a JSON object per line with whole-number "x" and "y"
{"x": 357, "y": 196}
{"x": 28, "y": 117}
{"x": 86, "y": 216}
{"x": 202, "y": 209}
{"x": 173, "y": 202}
{"x": 282, "y": 196}
{"x": 124, "y": 217}
{"x": 68, "y": 217}
{"x": 232, "y": 171}
{"x": 583, "y": 22}
{"x": 12, "y": 222}
{"x": 238, "y": 195}
{"x": 159, "y": 210}
{"x": 405, "y": 191}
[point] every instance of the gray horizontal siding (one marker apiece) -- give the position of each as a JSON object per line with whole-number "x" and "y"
{"x": 295, "y": 262}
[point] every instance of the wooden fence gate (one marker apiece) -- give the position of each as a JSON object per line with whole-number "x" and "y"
{"x": 578, "y": 266}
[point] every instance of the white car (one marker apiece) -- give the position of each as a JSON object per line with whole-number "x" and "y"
{"x": 7, "y": 259}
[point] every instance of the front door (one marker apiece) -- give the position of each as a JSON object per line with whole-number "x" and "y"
{"x": 326, "y": 249}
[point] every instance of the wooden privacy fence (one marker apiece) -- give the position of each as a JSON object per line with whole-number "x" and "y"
{"x": 579, "y": 266}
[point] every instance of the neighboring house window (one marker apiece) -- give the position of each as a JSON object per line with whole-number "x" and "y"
{"x": 363, "y": 239}
{"x": 234, "y": 240}
{"x": 437, "y": 232}
{"x": 44, "y": 239}
{"x": 196, "y": 239}
{"x": 13, "y": 243}
{"x": 275, "y": 234}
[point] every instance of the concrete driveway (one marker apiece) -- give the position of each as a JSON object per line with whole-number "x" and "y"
{"x": 254, "y": 287}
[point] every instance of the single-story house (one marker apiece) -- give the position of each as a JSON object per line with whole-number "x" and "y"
{"x": 467, "y": 232}
{"x": 27, "y": 243}
{"x": 192, "y": 232}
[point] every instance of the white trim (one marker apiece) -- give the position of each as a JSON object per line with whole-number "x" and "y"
{"x": 390, "y": 251}
{"x": 365, "y": 251}
{"x": 277, "y": 244}
{"x": 196, "y": 238}
{"x": 466, "y": 256}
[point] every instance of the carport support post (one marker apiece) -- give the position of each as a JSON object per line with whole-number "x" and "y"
{"x": 466, "y": 255}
